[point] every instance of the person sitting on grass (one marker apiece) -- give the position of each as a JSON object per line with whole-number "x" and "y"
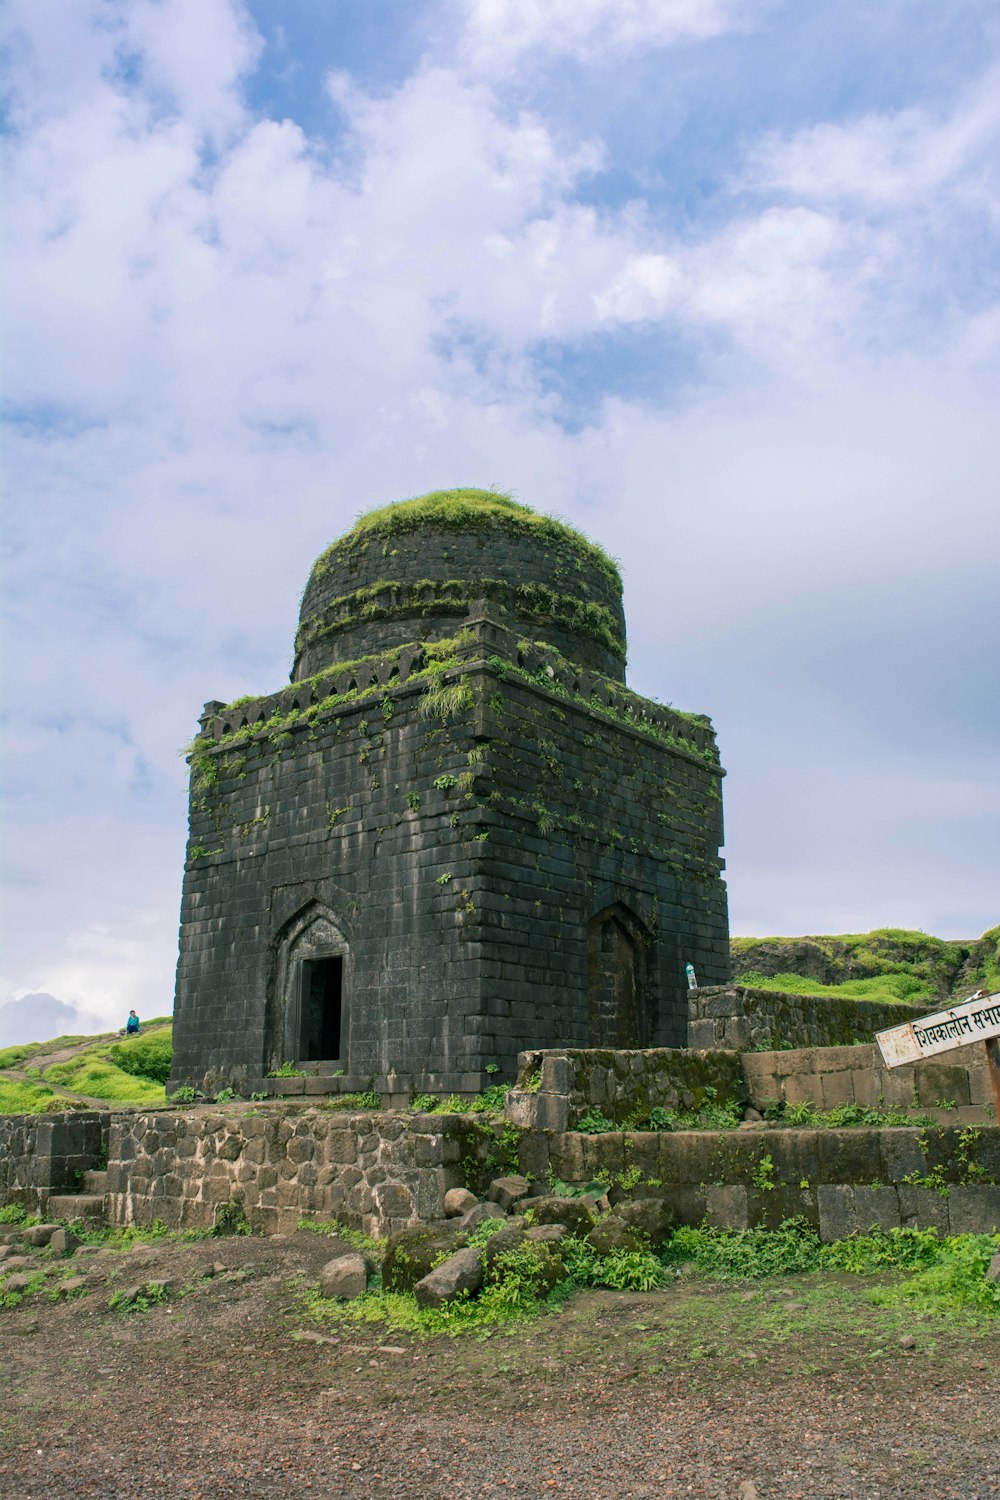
{"x": 131, "y": 1027}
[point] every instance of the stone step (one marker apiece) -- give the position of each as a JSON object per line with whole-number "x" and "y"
{"x": 75, "y": 1206}
{"x": 95, "y": 1181}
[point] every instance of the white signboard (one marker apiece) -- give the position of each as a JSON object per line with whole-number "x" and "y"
{"x": 973, "y": 1021}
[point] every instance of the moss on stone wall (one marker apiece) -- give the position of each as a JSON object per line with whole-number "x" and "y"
{"x": 390, "y": 600}
{"x": 465, "y": 510}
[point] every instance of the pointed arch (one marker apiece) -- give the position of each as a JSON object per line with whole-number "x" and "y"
{"x": 617, "y": 940}
{"x": 309, "y": 1017}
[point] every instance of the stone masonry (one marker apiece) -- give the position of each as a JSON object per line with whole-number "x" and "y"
{"x": 456, "y": 834}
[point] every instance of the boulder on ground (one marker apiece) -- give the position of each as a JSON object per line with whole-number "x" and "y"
{"x": 17, "y": 1284}
{"x": 64, "y": 1241}
{"x": 993, "y": 1269}
{"x": 500, "y": 1243}
{"x": 458, "y": 1201}
{"x": 411, "y": 1253}
{"x": 480, "y": 1214}
{"x": 507, "y": 1191}
{"x": 572, "y": 1212}
{"x": 547, "y": 1234}
{"x": 653, "y": 1216}
{"x": 460, "y": 1273}
{"x": 70, "y": 1286}
{"x": 346, "y": 1276}
{"x": 612, "y": 1234}
{"x": 39, "y": 1234}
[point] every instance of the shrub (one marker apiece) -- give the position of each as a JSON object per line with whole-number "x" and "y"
{"x": 148, "y": 1056}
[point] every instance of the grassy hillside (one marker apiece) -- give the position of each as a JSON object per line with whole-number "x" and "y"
{"x": 888, "y": 964}
{"x": 130, "y": 1071}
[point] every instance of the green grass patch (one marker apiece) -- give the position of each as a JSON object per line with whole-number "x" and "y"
{"x": 92, "y": 1072}
{"x": 465, "y": 510}
{"x": 148, "y": 1056}
{"x": 31, "y": 1099}
{"x": 886, "y": 989}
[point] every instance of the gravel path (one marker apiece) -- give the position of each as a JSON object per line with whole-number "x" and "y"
{"x": 230, "y": 1391}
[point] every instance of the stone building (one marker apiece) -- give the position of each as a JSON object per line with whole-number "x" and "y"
{"x": 456, "y": 835}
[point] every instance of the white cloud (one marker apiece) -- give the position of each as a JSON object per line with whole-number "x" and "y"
{"x": 502, "y": 33}
{"x": 227, "y": 350}
{"x": 890, "y": 161}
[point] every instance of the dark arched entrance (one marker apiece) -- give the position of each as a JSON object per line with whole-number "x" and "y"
{"x": 615, "y": 964}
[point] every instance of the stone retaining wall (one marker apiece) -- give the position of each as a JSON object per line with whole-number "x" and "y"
{"x": 839, "y": 1181}
{"x": 555, "y": 1088}
{"x": 45, "y": 1155}
{"x": 381, "y": 1171}
{"x": 829, "y": 1076}
{"x": 741, "y": 1017}
{"x": 374, "y": 1171}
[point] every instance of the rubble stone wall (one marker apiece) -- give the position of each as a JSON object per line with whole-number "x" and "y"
{"x": 742, "y": 1017}
{"x": 43, "y": 1155}
{"x": 373, "y": 1171}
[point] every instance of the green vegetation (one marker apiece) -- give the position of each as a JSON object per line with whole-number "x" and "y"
{"x": 464, "y": 510}
{"x": 889, "y": 965}
{"x": 915, "y": 1268}
{"x": 147, "y": 1056}
{"x": 112, "y": 1072}
{"x": 31, "y": 1099}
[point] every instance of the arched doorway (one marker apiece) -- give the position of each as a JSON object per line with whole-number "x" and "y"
{"x": 311, "y": 990}
{"x": 615, "y": 963}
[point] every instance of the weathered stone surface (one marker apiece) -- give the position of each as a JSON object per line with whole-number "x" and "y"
{"x": 458, "y": 1201}
{"x": 569, "y": 1211}
{"x": 546, "y": 1234}
{"x": 411, "y": 1253}
{"x": 460, "y": 1273}
{"x": 653, "y": 1217}
{"x": 993, "y": 1269}
{"x": 71, "y": 1285}
{"x": 16, "y": 1284}
{"x": 345, "y": 1277}
{"x": 612, "y": 1233}
{"x": 64, "y": 1241}
{"x": 506, "y": 1191}
{"x": 499, "y": 1244}
{"x": 39, "y": 1234}
{"x": 312, "y": 881}
{"x": 479, "y": 1214}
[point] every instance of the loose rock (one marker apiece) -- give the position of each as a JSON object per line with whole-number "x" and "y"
{"x": 410, "y": 1253}
{"x": 479, "y": 1214}
{"x": 546, "y": 1234}
{"x": 461, "y": 1272}
{"x": 613, "y": 1234}
{"x": 17, "y": 1284}
{"x": 652, "y": 1216}
{"x": 39, "y": 1234}
{"x": 572, "y": 1212}
{"x": 345, "y": 1277}
{"x": 507, "y": 1191}
{"x": 65, "y": 1241}
{"x": 458, "y": 1201}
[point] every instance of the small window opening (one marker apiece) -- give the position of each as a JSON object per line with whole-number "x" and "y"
{"x": 322, "y": 983}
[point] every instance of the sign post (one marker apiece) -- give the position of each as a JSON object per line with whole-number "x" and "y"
{"x": 975, "y": 1020}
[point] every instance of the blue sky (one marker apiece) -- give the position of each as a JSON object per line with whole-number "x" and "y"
{"x": 716, "y": 280}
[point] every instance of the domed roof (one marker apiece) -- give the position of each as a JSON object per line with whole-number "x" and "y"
{"x": 410, "y": 571}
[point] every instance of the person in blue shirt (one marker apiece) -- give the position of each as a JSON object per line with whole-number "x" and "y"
{"x": 132, "y": 1027}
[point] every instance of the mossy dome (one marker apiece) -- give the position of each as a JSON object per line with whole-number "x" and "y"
{"x": 410, "y": 572}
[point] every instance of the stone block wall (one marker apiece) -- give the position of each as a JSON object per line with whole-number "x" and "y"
{"x": 839, "y": 1181}
{"x": 457, "y": 866}
{"x": 743, "y": 1017}
{"x": 829, "y": 1076}
{"x": 555, "y": 1088}
{"x": 373, "y": 1171}
{"x": 46, "y": 1155}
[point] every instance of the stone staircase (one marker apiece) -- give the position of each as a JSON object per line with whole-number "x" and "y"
{"x": 87, "y": 1204}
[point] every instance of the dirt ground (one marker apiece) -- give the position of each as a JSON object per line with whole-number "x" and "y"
{"x": 786, "y": 1389}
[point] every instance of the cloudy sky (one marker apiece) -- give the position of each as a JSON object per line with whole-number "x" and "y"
{"x": 715, "y": 280}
